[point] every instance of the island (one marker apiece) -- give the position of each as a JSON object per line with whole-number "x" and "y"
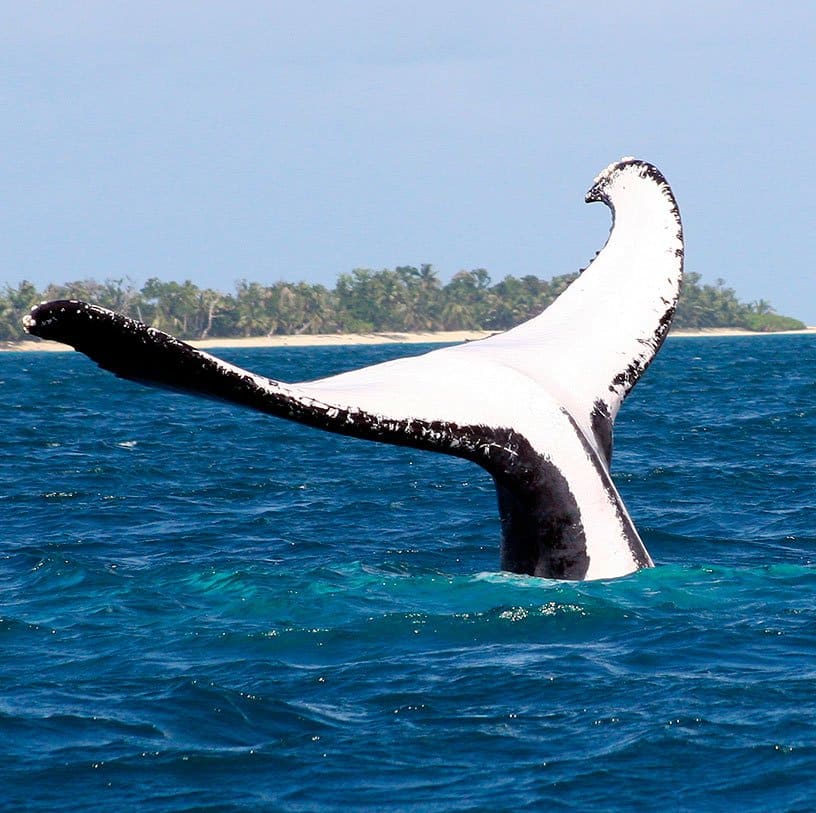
{"x": 406, "y": 303}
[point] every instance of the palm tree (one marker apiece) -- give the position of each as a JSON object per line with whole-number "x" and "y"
{"x": 253, "y": 317}
{"x": 14, "y": 304}
{"x": 761, "y": 307}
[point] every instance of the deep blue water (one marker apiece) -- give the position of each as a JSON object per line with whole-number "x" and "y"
{"x": 203, "y": 608}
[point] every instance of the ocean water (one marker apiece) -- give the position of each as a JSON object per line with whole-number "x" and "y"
{"x": 203, "y": 608}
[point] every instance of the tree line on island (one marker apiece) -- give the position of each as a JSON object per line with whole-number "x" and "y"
{"x": 405, "y": 299}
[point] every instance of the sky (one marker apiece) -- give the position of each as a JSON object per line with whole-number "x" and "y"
{"x": 299, "y": 140}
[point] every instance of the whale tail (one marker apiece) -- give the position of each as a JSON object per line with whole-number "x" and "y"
{"x": 534, "y": 406}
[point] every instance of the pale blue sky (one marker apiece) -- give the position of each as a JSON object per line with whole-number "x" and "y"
{"x": 215, "y": 141}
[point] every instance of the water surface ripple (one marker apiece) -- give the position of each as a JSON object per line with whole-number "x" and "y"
{"x": 208, "y": 609}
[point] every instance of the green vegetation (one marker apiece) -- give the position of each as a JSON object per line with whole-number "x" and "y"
{"x": 403, "y": 299}
{"x": 704, "y": 306}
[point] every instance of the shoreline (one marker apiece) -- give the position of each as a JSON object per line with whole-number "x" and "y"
{"x": 348, "y": 339}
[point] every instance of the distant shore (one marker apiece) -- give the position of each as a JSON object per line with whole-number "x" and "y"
{"x": 345, "y": 339}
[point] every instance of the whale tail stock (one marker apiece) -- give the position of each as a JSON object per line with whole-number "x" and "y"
{"x": 534, "y": 406}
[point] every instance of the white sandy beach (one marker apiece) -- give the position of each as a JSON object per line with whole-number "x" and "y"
{"x": 304, "y": 340}
{"x": 345, "y": 339}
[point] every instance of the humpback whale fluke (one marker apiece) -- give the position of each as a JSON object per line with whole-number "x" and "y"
{"x": 534, "y": 406}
